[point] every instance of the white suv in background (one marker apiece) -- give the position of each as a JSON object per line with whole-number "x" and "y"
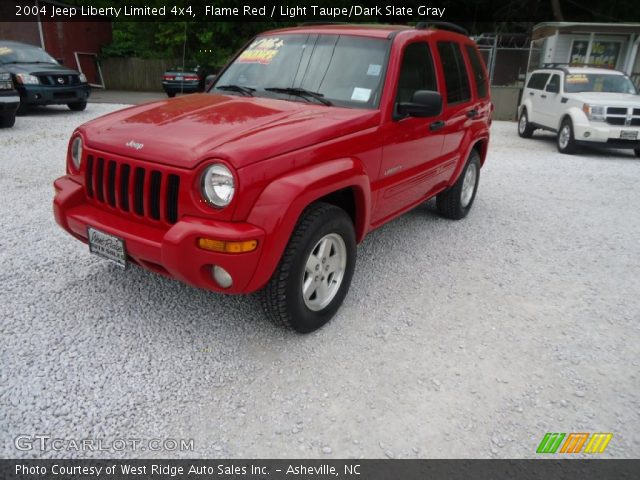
{"x": 584, "y": 106}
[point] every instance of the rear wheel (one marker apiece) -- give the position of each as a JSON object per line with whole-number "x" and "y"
{"x": 315, "y": 272}
{"x": 566, "y": 142}
{"x": 456, "y": 202}
{"x": 525, "y": 130}
{"x": 77, "y": 106}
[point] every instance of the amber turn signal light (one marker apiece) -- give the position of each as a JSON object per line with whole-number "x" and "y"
{"x": 227, "y": 247}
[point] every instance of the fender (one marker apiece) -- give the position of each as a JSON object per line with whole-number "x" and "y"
{"x": 578, "y": 117}
{"x": 471, "y": 141}
{"x": 281, "y": 203}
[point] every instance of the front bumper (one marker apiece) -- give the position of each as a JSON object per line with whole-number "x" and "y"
{"x": 46, "y": 95}
{"x": 605, "y": 135}
{"x": 171, "y": 251}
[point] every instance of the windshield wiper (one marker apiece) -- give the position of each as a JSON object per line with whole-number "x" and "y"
{"x": 300, "y": 92}
{"x": 248, "y": 91}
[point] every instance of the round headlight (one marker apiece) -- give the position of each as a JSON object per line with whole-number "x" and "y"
{"x": 76, "y": 152}
{"x": 218, "y": 185}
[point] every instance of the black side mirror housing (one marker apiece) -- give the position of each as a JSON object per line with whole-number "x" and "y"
{"x": 60, "y": 60}
{"x": 552, "y": 88}
{"x": 424, "y": 103}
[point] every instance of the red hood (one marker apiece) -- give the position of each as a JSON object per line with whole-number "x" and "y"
{"x": 186, "y": 130}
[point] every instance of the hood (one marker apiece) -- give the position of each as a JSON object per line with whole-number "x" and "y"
{"x": 608, "y": 99}
{"x": 186, "y": 130}
{"x": 39, "y": 68}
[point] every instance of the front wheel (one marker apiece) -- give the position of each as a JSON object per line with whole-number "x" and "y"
{"x": 456, "y": 202}
{"x": 7, "y": 121}
{"x": 566, "y": 142}
{"x": 171, "y": 94}
{"x": 315, "y": 272}
{"x": 77, "y": 106}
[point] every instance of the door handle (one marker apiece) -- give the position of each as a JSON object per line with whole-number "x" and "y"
{"x": 543, "y": 96}
{"x": 436, "y": 125}
{"x": 531, "y": 93}
{"x": 472, "y": 113}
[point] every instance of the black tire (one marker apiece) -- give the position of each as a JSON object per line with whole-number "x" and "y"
{"x": 570, "y": 146}
{"x": 525, "y": 130}
{"x": 171, "y": 94}
{"x": 453, "y": 202}
{"x": 7, "y": 121}
{"x": 77, "y": 106}
{"x": 282, "y": 298}
{"x": 637, "y": 152}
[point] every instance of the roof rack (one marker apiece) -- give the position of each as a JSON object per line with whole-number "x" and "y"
{"x": 452, "y": 27}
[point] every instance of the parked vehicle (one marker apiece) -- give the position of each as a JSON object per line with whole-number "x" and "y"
{"x": 269, "y": 181}
{"x": 593, "y": 107}
{"x": 183, "y": 80}
{"x": 9, "y": 100}
{"x": 40, "y": 79}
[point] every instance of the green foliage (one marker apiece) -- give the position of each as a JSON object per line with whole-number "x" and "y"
{"x": 207, "y": 43}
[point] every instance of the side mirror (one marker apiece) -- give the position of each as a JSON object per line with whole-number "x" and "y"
{"x": 424, "y": 103}
{"x": 60, "y": 60}
{"x": 553, "y": 88}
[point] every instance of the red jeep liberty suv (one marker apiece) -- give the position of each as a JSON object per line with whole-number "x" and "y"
{"x": 309, "y": 138}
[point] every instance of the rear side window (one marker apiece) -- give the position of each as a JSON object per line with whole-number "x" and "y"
{"x": 478, "y": 71}
{"x": 537, "y": 81}
{"x": 416, "y": 72}
{"x": 455, "y": 73}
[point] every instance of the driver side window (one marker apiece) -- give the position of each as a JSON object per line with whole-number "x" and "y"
{"x": 416, "y": 72}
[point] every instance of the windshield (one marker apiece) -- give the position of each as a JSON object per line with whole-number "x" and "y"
{"x": 24, "y": 54}
{"x": 344, "y": 70}
{"x": 598, "y": 82}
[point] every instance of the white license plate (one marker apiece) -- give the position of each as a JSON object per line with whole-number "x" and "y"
{"x": 179, "y": 78}
{"x": 629, "y": 134}
{"x": 107, "y": 246}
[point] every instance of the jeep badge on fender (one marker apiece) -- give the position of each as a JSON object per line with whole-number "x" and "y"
{"x": 308, "y": 139}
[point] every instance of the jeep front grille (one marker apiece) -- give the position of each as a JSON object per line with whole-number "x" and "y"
{"x": 136, "y": 190}
{"x": 622, "y": 116}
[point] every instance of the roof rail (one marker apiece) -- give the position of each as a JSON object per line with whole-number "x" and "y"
{"x": 319, "y": 24}
{"x": 565, "y": 65}
{"x": 452, "y": 27}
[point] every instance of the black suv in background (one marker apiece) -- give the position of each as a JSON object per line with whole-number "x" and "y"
{"x": 9, "y": 100}
{"x": 40, "y": 79}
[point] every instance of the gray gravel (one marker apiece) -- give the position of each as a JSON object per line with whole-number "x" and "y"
{"x": 457, "y": 339}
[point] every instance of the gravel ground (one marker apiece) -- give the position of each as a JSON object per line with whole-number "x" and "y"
{"x": 457, "y": 339}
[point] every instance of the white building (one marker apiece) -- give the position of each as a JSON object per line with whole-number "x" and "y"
{"x": 608, "y": 45}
